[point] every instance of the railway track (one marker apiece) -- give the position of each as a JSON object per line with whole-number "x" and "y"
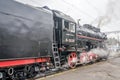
{"x": 49, "y": 74}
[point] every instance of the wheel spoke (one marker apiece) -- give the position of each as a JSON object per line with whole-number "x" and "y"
{"x": 71, "y": 57}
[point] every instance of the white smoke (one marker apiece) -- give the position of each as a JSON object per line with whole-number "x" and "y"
{"x": 105, "y": 54}
{"x": 114, "y": 54}
{"x": 113, "y": 9}
{"x": 100, "y": 52}
{"x": 112, "y": 14}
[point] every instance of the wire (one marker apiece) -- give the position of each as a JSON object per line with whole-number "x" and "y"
{"x": 96, "y": 9}
{"x": 73, "y": 6}
{"x": 77, "y": 8}
{"x": 35, "y": 2}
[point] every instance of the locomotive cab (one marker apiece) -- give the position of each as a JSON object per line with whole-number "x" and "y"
{"x": 65, "y": 36}
{"x": 65, "y": 30}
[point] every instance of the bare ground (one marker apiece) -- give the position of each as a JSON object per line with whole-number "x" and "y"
{"x": 108, "y": 70}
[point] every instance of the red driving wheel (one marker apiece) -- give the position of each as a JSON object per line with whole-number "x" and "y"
{"x": 72, "y": 60}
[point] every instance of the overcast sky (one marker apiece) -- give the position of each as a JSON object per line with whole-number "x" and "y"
{"x": 89, "y": 11}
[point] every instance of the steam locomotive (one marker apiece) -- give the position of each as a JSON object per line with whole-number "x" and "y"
{"x": 36, "y": 39}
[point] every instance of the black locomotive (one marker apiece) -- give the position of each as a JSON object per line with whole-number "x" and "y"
{"x": 33, "y": 38}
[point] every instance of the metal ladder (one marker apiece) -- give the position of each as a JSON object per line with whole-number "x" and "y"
{"x": 56, "y": 55}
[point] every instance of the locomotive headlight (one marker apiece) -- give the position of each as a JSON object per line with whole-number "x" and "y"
{"x": 1, "y": 75}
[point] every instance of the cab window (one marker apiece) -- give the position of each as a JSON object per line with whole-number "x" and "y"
{"x": 66, "y": 25}
{"x": 72, "y": 27}
{"x": 69, "y": 26}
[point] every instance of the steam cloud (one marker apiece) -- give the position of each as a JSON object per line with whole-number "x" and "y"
{"x": 113, "y": 9}
{"x": 105, "y": 54}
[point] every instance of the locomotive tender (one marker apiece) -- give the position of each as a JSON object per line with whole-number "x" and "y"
{"x": 32, "y": 38}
